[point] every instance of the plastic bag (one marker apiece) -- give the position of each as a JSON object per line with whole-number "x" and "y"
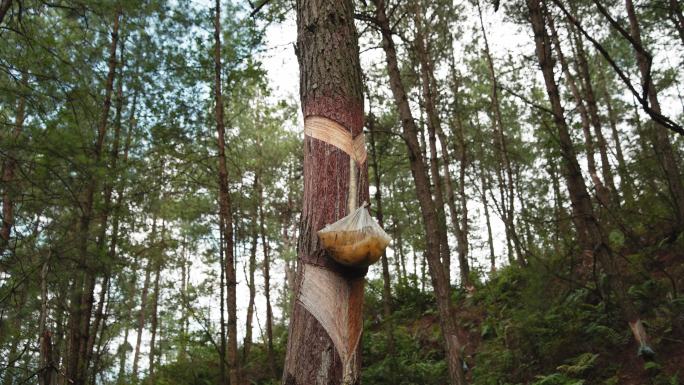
{"x": 355, "y": 240}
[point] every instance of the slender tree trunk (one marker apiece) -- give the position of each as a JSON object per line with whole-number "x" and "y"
{"x": 677, "y": 17}
{"x": 490, "y": 239}
{"x": 154, "y": 320}
{"x": 592, "y": 109}
{"x": 8, "y": 174}
{"x": 661, "y": 141}
{"x": 82, "y": 291}
{"x": 460, "y": 227}
{"x": 106, "y": 211}
{"x": 143, "y": 307}
{"x": 506, "y": 181}
{"x": 225, "y": 209}
{"x": 222, "y": 353}
{"x": 386, "y": 281}
{"x": 590, "y": 233}
{"x": 601, "y": 190}
{"x": 5, "y": 5}
{"x": 267, "y": 282}
{"x": 427, "y": 205}
{"x": 48, "y": 371}
{"x": 626, "y": 180}
{"x": 251, "y": 283}
{"x": 433, "y": 126}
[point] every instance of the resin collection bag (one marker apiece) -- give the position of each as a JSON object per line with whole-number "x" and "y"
{"x": 355, "y": 240}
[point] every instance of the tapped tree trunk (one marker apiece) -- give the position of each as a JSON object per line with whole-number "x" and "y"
{"x": 427, "y": 205}
{"x": 326, "y": 323}
{"x": 225, "y": 209}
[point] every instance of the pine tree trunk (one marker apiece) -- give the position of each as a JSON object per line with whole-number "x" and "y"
{"x": 154, "y": 320}
{"x": 626, "y": 180}
{"x": 592, "y": 109}
{"x": 143, "y": 306}
{"x": 8, "y": 174}
{"x": 326, "y": 323}
{"x": 505, "y": 180}
{"x": 601, "y": 190}
{"x": 225, "y": 210}
{"x": 427, "y": 205}
{"x": 82, "y": 290}
{"x": 386, "y": 281}
{"x": 267, "y": 282}
{"x": 459, "y": 220}
{"x": 661, "y": 141}
{"x": 433, "y": 126}
{"x": 251, "y": 283}
{"x": 589, "y": 232}
{"x": 222, "y": 348}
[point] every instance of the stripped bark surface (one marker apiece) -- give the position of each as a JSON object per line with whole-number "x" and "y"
{"x": 319, "y": 351}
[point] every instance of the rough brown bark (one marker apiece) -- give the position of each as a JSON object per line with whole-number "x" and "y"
{"x": 427, "y": 205}
{"x": 225, "y": 210}
{"x": 330, "y": 86}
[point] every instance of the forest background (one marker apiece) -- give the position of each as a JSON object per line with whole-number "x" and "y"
{"x": 115, "y": 267}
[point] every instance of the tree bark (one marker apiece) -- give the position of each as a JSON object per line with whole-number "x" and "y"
{"x": 427, "y": 205}
{"x": 225, "y": 210}
{"x": 326, "y": 323}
